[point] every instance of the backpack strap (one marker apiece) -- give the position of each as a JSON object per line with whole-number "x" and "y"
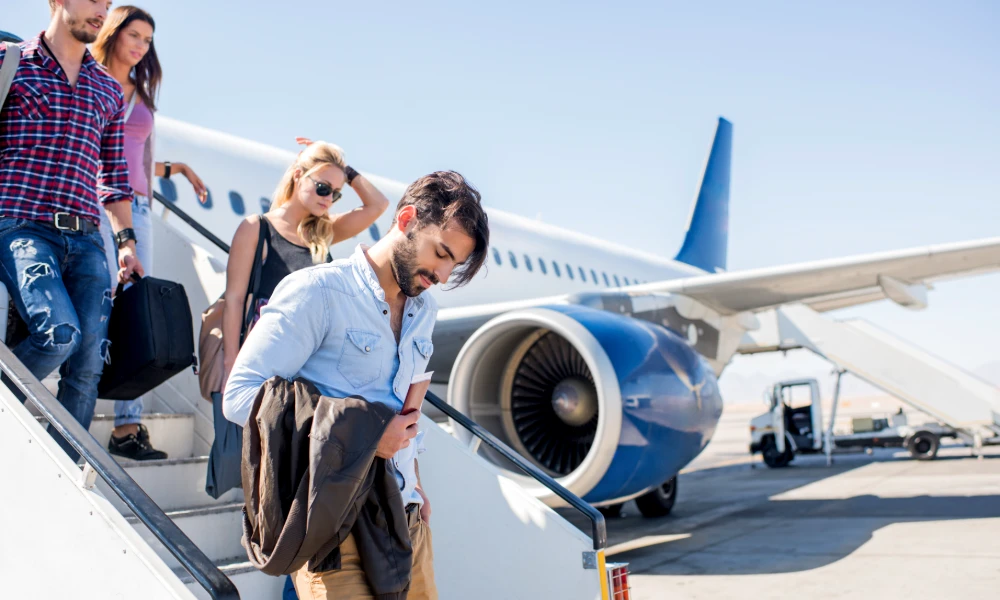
{"x": 264, "y": 236}
{"x": 12, "y": 58}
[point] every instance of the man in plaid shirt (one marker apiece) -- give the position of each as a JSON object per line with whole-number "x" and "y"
{"x": 61, "y": 159}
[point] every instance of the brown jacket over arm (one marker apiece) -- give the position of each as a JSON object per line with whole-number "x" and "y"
{"x": 310, "y": 476}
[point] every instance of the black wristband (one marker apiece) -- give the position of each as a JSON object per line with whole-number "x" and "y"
{"x": 124, "y": 236}
{"x": 166, "y": 169}
{"x": 351, "y": 174}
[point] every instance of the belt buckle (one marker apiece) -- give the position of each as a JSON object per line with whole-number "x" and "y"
{"x": 68, "y": 217}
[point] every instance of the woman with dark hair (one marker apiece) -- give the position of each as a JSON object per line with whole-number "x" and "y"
{"x": 125, "y": 47}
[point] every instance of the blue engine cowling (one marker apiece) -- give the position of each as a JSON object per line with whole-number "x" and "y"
{"x": 609, "y": 405}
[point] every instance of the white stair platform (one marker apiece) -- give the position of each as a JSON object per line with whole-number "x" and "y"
{"x": 174, "y": 484}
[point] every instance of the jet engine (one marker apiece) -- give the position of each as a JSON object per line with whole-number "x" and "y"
{"x": 608, "y": 405}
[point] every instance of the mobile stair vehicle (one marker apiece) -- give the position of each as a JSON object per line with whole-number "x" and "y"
{"x": 961, "y": 405}
{"x": 794, "y": 425}
{"x": 123, "y": 528}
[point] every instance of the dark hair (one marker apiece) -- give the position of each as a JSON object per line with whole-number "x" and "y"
{"x": 147, "y": 73}
{"x": 446, "y": 196}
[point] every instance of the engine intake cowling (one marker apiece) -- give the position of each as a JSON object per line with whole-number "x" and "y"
{"x": 608, "y": 405}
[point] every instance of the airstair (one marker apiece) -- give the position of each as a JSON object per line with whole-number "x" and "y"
{"x": 926, "y": 382}
{"x": 96, "y": 534}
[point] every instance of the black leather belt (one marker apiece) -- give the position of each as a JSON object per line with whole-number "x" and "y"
{"x": 66, "y": 222}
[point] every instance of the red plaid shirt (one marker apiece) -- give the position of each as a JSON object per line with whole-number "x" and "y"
{"x": 61, "y": 149}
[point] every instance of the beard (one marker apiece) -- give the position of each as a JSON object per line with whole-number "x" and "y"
{"x": 405, "y": 270}
{"x": 81, "y": 31}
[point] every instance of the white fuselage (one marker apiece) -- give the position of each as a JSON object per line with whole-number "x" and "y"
{"x": 232, "y": 166}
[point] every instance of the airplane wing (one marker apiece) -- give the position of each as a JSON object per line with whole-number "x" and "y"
{"x": 900, "y": 275}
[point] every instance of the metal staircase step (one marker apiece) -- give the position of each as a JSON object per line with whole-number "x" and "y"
{"x": 174, "y": 484}
{"x": 216, "y": 530}
{"x": 251, "y": 583}
{"x": 172, "y": 433}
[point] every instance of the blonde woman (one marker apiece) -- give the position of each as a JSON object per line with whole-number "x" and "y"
{"x": 297, "y": 232}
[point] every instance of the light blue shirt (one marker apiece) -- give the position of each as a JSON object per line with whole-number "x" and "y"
{"x": 330, "y": 324}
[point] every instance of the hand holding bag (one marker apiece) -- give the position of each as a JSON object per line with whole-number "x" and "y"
{"x": 151, "y": 338}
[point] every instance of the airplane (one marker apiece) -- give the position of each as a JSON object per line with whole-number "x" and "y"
{"x": 597, "y": 362}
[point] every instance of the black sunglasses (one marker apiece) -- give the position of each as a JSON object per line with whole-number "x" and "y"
{"x": 325, "y": 189}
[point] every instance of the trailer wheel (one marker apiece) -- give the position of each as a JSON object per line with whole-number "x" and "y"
{"x": 660, "y": 501}
{"x": 923, "y": 445}
{"x": 772, "y": 458}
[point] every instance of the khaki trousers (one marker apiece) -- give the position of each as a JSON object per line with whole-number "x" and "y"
{"x": 349, "y": 582}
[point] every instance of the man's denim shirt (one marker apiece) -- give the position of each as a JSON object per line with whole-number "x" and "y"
{"x": 330, "y": 325}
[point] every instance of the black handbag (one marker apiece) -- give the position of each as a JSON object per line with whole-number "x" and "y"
{"x": 151, "y": 338}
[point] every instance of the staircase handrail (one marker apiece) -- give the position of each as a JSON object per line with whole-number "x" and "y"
{"x": 191, "y": 558}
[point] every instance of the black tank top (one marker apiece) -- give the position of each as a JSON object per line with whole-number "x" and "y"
{"x": 282, "y": 259}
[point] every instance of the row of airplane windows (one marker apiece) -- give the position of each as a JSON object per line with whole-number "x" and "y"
{"x": 169, "y": 191}
{"x": 558, "y": 270}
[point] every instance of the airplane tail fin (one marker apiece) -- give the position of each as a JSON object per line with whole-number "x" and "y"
{"x": 706, "y": 241}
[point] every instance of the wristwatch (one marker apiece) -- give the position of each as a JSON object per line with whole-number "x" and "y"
{"x": 166, "y": 169}
{"x": 123, "y": 236}
{"x": 351, "y": 174}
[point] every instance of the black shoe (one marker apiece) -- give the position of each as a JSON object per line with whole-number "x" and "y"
{"x": 136, "y": 447}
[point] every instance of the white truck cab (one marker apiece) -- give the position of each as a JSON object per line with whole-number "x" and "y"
{"x": 793, "y": 423}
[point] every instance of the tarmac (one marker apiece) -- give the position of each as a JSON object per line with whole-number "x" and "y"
{"x": 872, "y": 525}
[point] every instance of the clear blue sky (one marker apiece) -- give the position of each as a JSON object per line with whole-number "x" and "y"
{"x": 859, "y": 126}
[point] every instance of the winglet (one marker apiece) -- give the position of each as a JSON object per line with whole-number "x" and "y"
{"x": 706, "y": 241}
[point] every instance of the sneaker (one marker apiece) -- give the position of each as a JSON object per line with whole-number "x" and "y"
{"x": 135, "y": 447}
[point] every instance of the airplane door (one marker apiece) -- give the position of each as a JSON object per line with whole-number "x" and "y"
{"x": 778, "y": 419}
{"x": 816, "y": 412}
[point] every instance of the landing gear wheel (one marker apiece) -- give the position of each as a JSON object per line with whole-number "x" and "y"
{"x": 772, "y": 457}
{"x": 611, "y": 511}
{"x": 659, "y": 502}
{"x": 923, "y": 445}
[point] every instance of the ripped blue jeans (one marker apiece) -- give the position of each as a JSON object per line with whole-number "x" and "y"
{"x": 59, "y": 284}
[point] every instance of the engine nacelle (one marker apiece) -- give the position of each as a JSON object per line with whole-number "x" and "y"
{"x": 608, "y": 405}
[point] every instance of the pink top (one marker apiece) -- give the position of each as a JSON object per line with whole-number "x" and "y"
{"x": 137, "y": 130}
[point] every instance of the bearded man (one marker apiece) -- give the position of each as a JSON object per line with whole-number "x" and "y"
{"x": 362, "y": 327}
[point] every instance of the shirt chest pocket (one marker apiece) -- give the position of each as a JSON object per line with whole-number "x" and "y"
{"x": 34, "y": 105}
{"x": 423, "y": 348}
{"x": 360, "y": 360}
{"x": 33, "y": 101}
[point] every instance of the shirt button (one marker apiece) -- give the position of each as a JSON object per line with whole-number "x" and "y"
{"x": 385, "y": 312}
{"x": 410, "y": 315}
{"x": 368, "y": 348}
